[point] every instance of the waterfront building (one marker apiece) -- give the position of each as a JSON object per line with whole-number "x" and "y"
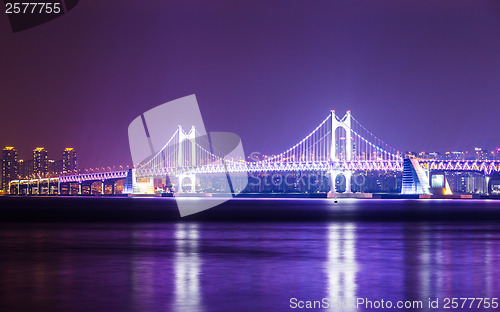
{"x": 430, "y": 155}
{"x": 40, "y": 162}
{"x": 496, "y": 153}
{"x": 457, "y": 155}
{"x": 435, "y": 155}
{"x": 410, "y": 154}
{"x": 26, "y": 168}
{"x": 480, "y": 154}
{"x": 55, "y": 167}
{"x": 9, "y": 166}
{"x": 69, "y": 161}
{"x": 467, "y": 182}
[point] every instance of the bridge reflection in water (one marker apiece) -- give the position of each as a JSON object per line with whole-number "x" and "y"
{"x": 230, "y": 266}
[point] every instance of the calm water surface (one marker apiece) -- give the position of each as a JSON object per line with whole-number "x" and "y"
{"x": 247, "y": 266}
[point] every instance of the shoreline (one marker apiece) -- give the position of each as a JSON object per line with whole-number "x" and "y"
{"x": 270, "y": 196}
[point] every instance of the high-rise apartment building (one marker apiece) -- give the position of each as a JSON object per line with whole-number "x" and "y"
{"x": 9, "y": 166}
{"x": 430, "y": 155}
{"x": 69, "y": 161}
{"x": 25, "y": 169}
{"x": 496, "y": 153}
{"x": 40, "y": 162}
{"x": 480, "y": 154}
{"x": 454, "y": 156}
{"x": 55, "y": 167}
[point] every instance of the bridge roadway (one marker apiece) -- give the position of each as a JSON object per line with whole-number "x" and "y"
{"x": 383, "y": 165}
{"x": 17, "y": 186}
{"x": 242, "y": 166}
{"x": 462, "y": 165}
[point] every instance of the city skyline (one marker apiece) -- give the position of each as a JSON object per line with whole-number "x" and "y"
{"x": 39, "y": 164}
{"x": 420, "y": 74}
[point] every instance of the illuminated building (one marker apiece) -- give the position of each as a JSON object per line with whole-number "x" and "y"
{"x": 496, "y": 153}
{"x": 454, "y": 156}
{"x": 480, "y": 154}
{"x": 430, "y": 155}
{"x": 40, "y": 162}
{"x": 9, "y": 166}
{"x": 69, "y": 161}
{"x": 25, "y": 169}
{"x": 467, "y": 182}
{"x": 410, "y": 154}
{"x": 55, "y": 167}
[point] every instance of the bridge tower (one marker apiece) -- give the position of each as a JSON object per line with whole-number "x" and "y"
{"x": 336, "y": 151}
{"x": 185, "y": 158}
{"x": 191, "y": 136}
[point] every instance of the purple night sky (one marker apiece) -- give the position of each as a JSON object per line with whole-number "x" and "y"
{"x": 420, "y": 74}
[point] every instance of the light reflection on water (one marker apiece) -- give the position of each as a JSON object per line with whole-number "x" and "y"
{"x": 341, "y": 265}
{"x": 187, "y": 265}
{"x": 247, "y": 266}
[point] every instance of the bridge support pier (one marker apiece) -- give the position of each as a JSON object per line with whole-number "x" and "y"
{"x": 191, "y": 177}
{"x": 333, "y": 178}
{"x": 347, "y": 178}
{"x": 493, "y": 184}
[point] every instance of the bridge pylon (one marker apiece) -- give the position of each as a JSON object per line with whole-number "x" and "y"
{"x": 336, "y": 152}
{"x": 191, "y": 136}
{"x": 191, "y": 177}
{"x": 187, "y": 160}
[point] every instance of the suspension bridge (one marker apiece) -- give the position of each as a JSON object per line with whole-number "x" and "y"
{"x": 337, "y": 146}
